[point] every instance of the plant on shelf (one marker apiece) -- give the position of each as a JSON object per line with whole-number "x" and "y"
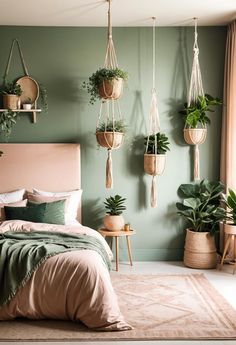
{"x": 7, "y": 121}
{"x": 196, "y": 114}
{"x": 11, "y": 95}
{"x": 105, "y": 84}
{"x": 111, "y": 134}
{"x": 27, "y": 105}
{"x": 114, "y": 207}
{"x": 156, "y": 146}
{"x": 201, "y": 208}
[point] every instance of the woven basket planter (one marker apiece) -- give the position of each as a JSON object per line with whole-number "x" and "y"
{"x": 111, "y": 89}
{"x": 195, "y": 136}
{"x": 154, "y": 164}
{"x": 199, "y": 250}
{"x": 11, "y": 102}
{"x": 110, "y": 140}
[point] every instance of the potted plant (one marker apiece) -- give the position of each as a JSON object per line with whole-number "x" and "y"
{"x": 105, "y": 83}
{"x": 230, "y": 203}
{"x": 196, "y": 119}
{"x": 114, "y": 220}
{"x": 27, "y": 105}
{"x": 111, "y": 134}
{"x": 11, "y": 95}
{"x": 155, "y": 157}
{"x": 201, "y": 208}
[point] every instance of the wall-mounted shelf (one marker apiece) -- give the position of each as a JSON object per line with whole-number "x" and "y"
{"x": 33, "y": 111}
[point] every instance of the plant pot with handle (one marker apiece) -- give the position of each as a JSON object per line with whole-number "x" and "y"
{"x": 114, "y": 220}
{"x": 110, "y": 134}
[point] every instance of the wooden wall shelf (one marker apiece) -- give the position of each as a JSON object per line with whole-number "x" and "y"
{"x": 33, "y": 111}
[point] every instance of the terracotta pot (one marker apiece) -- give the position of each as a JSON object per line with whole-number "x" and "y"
{"x": 114, "y": 223}
{"x": 154, "y": 164}
{"x": 110, "y": 140}
{"x": 111, "y": 89}
{"x": 195, "y": 136}
{"x": 199, "y": 250}
{"x": 11, "y": 102}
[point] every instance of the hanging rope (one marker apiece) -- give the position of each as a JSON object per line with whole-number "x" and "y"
{"x": 154, "y": 122}
{"x": 195, "y": 90}
{"x": 110, "y": 108}
{"x": 196, "y": 87}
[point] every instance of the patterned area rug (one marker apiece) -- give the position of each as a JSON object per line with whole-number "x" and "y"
{"x": 158, "y": 307}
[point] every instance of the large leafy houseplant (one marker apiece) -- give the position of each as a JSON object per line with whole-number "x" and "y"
{"x": 201, "y": 205}
{"x": 230, "y": 203}
{"x": 114, "y": 207}
{"x": 98, "y": 78}
{"x": 196, "y": 113}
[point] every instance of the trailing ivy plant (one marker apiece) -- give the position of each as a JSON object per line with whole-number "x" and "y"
{"x": 43, "y": 96}
{"x": 115, "y": 205}
{"x": 196, "y": 113}
{"x": 201, "y": 205}
{"x": 110, "y": 126}
{"x": 97, "y": 78}
{"x": 162, "y": 143}
{"x": 7, "y": 121}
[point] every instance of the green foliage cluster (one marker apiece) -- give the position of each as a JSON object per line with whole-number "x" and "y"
{"x": 115, "y": 205}
{"x": 230, "y": 201}
{"x": 160, "y": 140}
{"x": 97, "y": 78}
{"x": 110, "y": 126}
{"x": 196, "y": 113}
{"x": 11, "y": 88}
{"x": 7, "y": 121}
{"x": 201, "y": 205}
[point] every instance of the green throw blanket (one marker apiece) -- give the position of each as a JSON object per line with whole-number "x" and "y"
{"x": 21, "y": 253}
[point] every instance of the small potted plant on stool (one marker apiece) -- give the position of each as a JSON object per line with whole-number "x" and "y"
{"x": 114, "y": 220}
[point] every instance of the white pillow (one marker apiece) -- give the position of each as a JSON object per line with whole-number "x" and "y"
{"x": 17, "y": 195}
{"x": 73, "y": 203}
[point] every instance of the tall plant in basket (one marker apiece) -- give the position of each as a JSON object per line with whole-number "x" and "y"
{"x": 201, "y": 209}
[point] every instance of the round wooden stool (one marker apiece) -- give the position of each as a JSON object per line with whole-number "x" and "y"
{"x": 230, "y": 232}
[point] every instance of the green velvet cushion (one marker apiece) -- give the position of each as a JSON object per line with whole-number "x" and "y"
{"x": 52, "y": 212}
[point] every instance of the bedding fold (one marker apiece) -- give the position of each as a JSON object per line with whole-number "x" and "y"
{"x": 23, "y": 252}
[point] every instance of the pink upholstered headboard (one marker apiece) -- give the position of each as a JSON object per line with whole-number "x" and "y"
{"x": 50, "y": 167}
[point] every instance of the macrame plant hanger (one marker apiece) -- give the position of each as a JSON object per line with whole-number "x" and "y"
{"x": 195, "y": 136}
{"x": 153, "y": 163}
{"x": 110, "y": 109}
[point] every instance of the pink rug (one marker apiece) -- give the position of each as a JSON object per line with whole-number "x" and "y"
{"x": 158, "y": 306}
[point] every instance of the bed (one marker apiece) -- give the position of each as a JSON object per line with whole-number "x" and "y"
{"x": 71, "y": 282}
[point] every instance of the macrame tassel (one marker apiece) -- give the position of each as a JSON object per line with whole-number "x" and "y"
{"x": 109, "y": 177}
{"x": 154, "y": 192}
{"x": 196, "y": 163}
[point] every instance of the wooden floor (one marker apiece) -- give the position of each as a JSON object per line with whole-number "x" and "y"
{"x": 224, "y": 281}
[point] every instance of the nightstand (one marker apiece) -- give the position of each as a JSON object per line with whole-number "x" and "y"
{"x": 117, "y": 234}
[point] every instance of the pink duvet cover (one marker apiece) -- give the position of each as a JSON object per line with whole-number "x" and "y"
{"x": 74, "y": 285}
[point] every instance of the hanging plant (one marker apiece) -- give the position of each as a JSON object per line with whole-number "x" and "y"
{"x": 111, "y": 134}
{"x": 155, "y": 155}
{"x": 195, "y": 111}
{"x": 105, "y": 83}
{"x": 196, "y": 119}
{"x": 7, "y": 121}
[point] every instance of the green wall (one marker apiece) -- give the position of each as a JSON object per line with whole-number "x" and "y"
{"x": 62, "y": 58}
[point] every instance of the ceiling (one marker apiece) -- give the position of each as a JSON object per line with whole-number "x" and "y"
{"x": 124, "y": 12}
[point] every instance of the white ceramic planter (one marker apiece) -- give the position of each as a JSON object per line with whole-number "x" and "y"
{"x": 27, "y": 106}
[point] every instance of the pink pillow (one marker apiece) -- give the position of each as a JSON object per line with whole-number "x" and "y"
{"x": 21, "y": 203}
